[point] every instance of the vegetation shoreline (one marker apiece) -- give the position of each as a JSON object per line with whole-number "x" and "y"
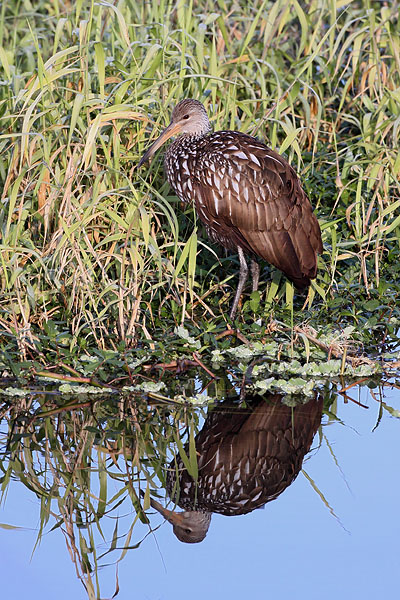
{"x": 99, "y": 259}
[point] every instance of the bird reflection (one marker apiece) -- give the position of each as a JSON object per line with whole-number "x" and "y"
{"x": 246, "y": 458}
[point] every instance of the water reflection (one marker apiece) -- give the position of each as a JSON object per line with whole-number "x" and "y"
{"x": 246, "y": 457}
{"x": 89, "y": 461}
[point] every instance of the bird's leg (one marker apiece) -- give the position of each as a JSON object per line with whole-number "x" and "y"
{"x": 244, "y": 270}
{"x": 255, "y": 272}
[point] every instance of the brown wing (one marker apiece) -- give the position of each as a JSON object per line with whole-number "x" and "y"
{"x": 247, "y": 457}
{"x": 249, "y": 196}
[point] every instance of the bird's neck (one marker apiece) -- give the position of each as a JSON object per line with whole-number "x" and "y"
{"x": 186, "y": 143}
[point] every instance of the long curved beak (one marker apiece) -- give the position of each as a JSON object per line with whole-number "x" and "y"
{"x": 169, "y": 515}
{"x": 172, "y": 129}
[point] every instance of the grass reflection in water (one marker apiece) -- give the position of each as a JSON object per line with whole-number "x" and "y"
{"x": 116, "y": 456}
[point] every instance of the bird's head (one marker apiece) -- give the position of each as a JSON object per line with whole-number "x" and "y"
{"x": 190, "y": 526}
{"x": 189, "y": 117}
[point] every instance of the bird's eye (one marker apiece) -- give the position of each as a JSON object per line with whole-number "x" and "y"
{"x": 185, "y": 117}
{"x": 188, "y": 531}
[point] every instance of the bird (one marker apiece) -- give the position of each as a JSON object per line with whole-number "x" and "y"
{"x": 249, "y": 198}
{"x": 246, "y": 457}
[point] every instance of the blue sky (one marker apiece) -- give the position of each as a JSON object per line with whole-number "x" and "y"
{"x": 293, "y": 548}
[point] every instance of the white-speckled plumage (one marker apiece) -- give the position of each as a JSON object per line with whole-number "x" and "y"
{"x": 248, "y": 196}
{"x": 246, "y": 457}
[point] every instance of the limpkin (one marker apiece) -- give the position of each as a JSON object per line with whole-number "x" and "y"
{"x": 248, "y": 196}
{"x": 246, "y": 458}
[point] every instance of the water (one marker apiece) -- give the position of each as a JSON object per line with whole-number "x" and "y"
{"x": 293, "y": 547}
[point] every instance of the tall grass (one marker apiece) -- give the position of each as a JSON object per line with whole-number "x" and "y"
{"x": 91, "y": 244}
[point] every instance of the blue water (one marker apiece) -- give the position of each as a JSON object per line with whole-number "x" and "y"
{"x": 293, "y": 548}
